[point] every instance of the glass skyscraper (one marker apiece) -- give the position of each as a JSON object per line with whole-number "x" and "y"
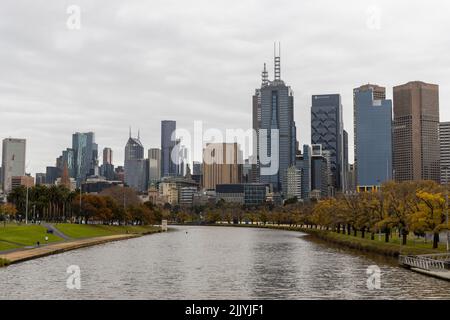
{"x": 327, "y": 130}
{"x": 168, "y": 167}
{"x": 373, "y": 136}
{"x": 277, "y": 113}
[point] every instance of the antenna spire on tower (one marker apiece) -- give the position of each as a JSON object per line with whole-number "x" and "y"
{"x": 277, "y": 62}
{"x": 130, "y": 131}
{"x": 264, "y": 76}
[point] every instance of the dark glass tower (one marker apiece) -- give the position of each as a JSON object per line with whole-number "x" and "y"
{"x": 277, "y": 113}
{"x": 168, "y": 167}
{"x": 327, "y": 130}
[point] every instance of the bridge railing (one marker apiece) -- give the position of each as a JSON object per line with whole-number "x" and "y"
{"x": 426, "y": 262}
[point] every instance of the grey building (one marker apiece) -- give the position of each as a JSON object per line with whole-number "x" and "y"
{"x": 321, "y": 174}
{"x": 136, "y": 167}
{"x": 444, "y": 142}
{"x": 51, "y": 174}
{"x": 168, "y": 167}
{"x": 86, "y": 155}
{"x": 249, "y": 194}
{"x": 327, "y": 130}
{"x": 373, "y": 137}
{"x": 154, "y": 162}
{"x": 277, "y": 113}
{"x": 13, "y": 161}
{"x": 40, "y": 178}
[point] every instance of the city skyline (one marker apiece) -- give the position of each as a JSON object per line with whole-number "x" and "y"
{"x": 320, "y": 59}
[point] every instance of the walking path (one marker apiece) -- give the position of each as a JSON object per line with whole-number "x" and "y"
{"x": 56, "y": 232}
{"x": 42, "y": 251}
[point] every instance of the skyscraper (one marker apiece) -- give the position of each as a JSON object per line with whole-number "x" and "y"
{"x": 444, "y": 141}
{"x": 415, "y": 132}
{"x": 13, "y": 161}
{"x": 327, "y": 130}
{"x": 154, "y": 162}
{"x": 107, "y": 156}
{"x": 86, "y": 155}
{"x": 222, "y": 164}
{"x": 373, "y": 136}
{"x": 277, "y": 113}
{"x": 136, "y": 167}
{"x": 168, "y": 167}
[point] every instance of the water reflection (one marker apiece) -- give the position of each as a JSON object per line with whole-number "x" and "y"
{"x": 215, "y": 263}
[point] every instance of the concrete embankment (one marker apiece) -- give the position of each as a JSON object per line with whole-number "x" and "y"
{"x": 28, "y": 254}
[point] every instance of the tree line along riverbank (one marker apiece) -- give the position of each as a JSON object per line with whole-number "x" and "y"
{"x": 394, "y": 248}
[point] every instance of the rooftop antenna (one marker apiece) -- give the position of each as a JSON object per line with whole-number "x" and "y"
{"x": 265, "y": 76}
{"x": 277, "y": 67}
{"x": 130, "y": 131}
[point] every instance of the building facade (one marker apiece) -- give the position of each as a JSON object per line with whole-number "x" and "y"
{"x": 444, "y": 142}
{"x": 136, "y": 167}
{"x": 86, "y": 155}
{"x": 416, "y": 153}
{"x": 277, "y": 117}
{"x": 154, "y": 163}
{"x": 373, "y": 136}
{"x": 13, "y": 161}
{"x": 222, "y": 164}
{"x": 168, "y": 142}
{"x": 327, "y": 130}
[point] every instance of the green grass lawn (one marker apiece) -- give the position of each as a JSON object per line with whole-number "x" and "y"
{"x": 16, "y": 236}
{"x": 77, "y": 231}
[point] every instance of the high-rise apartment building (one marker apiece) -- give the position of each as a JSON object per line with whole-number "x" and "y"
{"x": 13, "y": 161}
{"x": 444, "y": 142}
{"x": 168, "y": 142}
{"x": 373, "y": 136}
{"x": 416, "y": 132}
{"x": 327, "y": 129}
{"x": 222, "y": 164}
{"x": 277, "y": 124}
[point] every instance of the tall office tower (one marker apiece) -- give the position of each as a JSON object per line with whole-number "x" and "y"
{"x": 168, "y": 167}
{"x": 277, "y": 113}
{"x": 136, "y": 167}
{"x": 86, "y": 155}
{"x": 327, "y": 129}
{"x": 416, "y": 132}
{"x": 13, "y": 161}
{"x": 256, "y": 125}
{"x": 154, "y": 162}
{"x": 444, "y": 142}
{"x": 321, "y": 174}
{"x": 373, "y": 136}
{"x": 40, "y": 178}
{"x": 68, "y": 158}
{"x": 305, "y": 165}
{"x": 52, "y": 174}
{"x": 222, "y": 164}
{"x": 345, "y": 170}
{"x": 107, "y": 155}
{"x": 294, "y": 182}
{"x": 107, "y": 168}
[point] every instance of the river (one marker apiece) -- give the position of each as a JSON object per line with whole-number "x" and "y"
{"x": 193, "y": 262}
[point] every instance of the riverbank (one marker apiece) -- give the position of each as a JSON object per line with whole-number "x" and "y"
{"x": 350, "y": 241}
{"x": 77, "y": 236}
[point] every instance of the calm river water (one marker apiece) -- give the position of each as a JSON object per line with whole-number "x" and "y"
{"x": 215, "y": 263}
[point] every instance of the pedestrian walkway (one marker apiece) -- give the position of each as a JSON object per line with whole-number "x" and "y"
{"x": 42, "y": 251}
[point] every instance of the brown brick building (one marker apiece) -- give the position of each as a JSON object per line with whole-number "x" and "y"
{"x": 416, "y": 132}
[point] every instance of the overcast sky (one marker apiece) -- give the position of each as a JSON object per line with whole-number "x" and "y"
{"x": 139, "y": 62}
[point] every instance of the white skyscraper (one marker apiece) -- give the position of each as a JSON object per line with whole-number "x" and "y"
{"x": 13, "y": 161}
